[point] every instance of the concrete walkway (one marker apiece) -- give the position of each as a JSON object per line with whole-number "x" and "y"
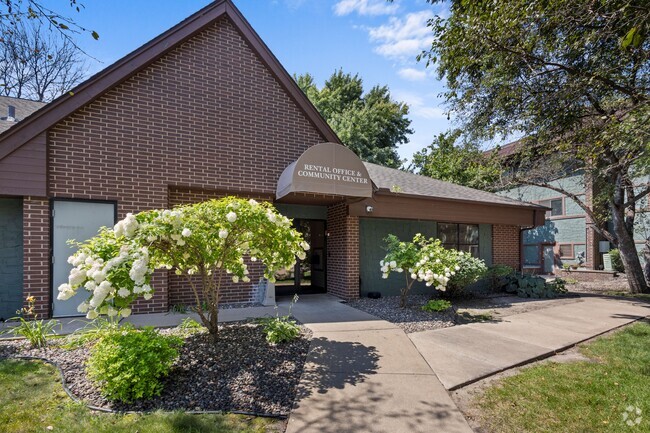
{"x": 364, "y": 375}
{"x": 464, "y": 354}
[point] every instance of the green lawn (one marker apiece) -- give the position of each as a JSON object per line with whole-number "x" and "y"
{"x": 586, "y": 396}
{"x": 32, "y": 400}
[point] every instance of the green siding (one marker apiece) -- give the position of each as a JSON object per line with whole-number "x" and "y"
{"x": 302, "y": 211}
{"x": 11, "y": 257}
{"x": 485, "y": 243}
{"x": 572, "y": 184}
{"x": 372, "y": 232}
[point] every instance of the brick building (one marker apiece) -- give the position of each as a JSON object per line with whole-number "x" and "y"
{"x": 202, "y": 111}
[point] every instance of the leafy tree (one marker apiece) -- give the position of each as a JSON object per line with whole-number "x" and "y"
{"x": 573, "y": 78}
{"x": 371, "y": 124}
{"x": 461, "y": 163}
{"x": 206, "y": 243}
{"x": 37, "y": 64}
{"x": 13, "y": 13}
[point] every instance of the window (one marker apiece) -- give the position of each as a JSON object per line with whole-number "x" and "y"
{"x": 566, "y": 251}
{"x": 461, "y": 237}
{"x": 556, "y": 205}
{"x": 532, "y": 255}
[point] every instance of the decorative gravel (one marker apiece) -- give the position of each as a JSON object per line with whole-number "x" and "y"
{"x": 241, "y": 372}
{"x": 411, "y": 318}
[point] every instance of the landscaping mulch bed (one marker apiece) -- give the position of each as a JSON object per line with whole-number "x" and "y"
{"x": 411, "y": 318}
{"x": 476, "y": 308}
{"x": 241, "y": 372}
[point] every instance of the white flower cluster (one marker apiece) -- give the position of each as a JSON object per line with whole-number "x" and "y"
{"x": 126, "y": 227}
{"x": 429, "y": 269}
{"x": 388, "y": 266}
{"x": 106, "y": 280}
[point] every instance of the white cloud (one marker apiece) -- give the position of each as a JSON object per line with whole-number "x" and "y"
{"x": 412, "y": 74}
{"x": 404, "y": 37}
{"x": 418, "y": 106}
{"x": 365, "y": 7}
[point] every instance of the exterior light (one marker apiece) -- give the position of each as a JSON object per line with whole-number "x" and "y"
{"x": 369, "y": 209}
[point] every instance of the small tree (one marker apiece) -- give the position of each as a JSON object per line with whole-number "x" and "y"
{"x": 424, "y": 259}
{"x": 205, "y": 243}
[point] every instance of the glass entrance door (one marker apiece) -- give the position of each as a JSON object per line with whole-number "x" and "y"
{"x": 308, "y": 275}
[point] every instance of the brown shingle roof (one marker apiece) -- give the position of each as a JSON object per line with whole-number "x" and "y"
{"x": 401, "y": 182}
{"x": 24, "y": 107}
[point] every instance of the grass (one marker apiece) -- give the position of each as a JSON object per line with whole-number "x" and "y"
{"x": 640, "y": 296}
{"x": 33, "y": 400}
{"x": 586, "y": 396}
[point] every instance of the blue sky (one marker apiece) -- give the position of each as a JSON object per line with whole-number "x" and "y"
{"x": 376, "y": 39}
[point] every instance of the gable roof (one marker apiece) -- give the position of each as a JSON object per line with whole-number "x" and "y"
{"x": 121, "y": 70}
{"x": 409, "y": 184}
{"x": 24, "y": 108}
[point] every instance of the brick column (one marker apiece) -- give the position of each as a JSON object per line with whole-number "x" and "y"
{"x": 342, "y": 252}
{"x": 36, "y": 253}
{"x": 593, "y": 259}
{"x": 506, "y": 246}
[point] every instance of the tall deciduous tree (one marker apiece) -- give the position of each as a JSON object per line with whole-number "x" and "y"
{"x": 14, "y": 13}
{"x": 573, "y": 77}
{"x": 37, "y": 64}
{"x": 461, "y": 163}
{"x": 372, "y": 124}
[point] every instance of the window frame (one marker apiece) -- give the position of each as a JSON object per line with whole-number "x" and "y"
{"x": 458, "y": 244}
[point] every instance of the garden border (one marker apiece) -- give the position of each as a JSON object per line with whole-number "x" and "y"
{"x": 280, "y": 416}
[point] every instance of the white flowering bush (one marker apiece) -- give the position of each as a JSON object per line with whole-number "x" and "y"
{"x": 420, "y": 260}
{"x": 469, "y": 270}
{"x": 205, "y": 242}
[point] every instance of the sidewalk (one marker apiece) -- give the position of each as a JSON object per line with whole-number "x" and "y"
{"x": 364, "y": 375}
{"x": 464, "y": 354}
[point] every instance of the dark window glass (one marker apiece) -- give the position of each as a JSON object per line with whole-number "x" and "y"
{"x": 461, "y": 237}
{"x": 467, "y": 234}
{"x": 556, "y": 207}
{"x": 566, "y": 250}
{"x": 448, "y": 233}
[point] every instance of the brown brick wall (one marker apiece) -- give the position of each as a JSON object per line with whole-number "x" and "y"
{"x": 342, "y": 252}
{"x": 506, "y": 245}
{"x": 208, "y": 115}
{"x": 36, "y": 241}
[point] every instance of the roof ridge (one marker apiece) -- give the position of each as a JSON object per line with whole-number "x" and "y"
{"x": 140, "y": 58}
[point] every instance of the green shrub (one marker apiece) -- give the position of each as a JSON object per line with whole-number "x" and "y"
{"x": 469, "y": 270}
{"x": 436, "y": 305}
{"x": 35, "y": 331}
{"x": 497, "y": 276}
{"x": 127, "y": 364}
{"x": 617, "y": 262}
{"x": 531, "y": 286}
{"x": 279, "y": 329}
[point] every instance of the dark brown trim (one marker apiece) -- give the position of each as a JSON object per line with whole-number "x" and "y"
{"x": 118, "y": 72}
{"x": 431, "y": 209}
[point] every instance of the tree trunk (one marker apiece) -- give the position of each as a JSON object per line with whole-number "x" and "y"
{"x": 629, "y": 254}
{"x": 646, "y": 258}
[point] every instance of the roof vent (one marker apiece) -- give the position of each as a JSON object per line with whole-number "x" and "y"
{"x": 11, "y": 113}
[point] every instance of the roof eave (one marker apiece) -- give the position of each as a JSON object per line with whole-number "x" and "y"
{"x": 524, "y": 205}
